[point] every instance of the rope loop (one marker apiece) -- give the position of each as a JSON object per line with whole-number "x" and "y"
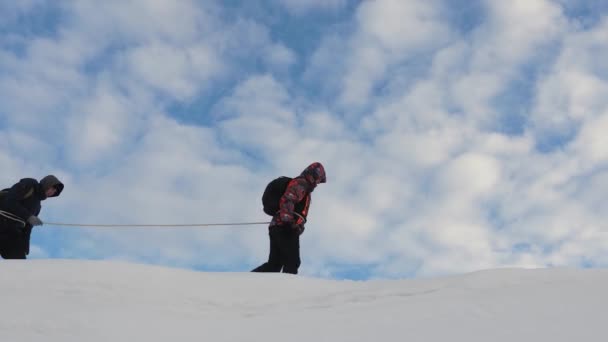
{"x": 12, "y": 217}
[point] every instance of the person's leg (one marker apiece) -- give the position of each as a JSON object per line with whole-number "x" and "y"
{"x": 274, "y": 258}
{"x": 290, "y": 251}
{"x": 12, "y": 239}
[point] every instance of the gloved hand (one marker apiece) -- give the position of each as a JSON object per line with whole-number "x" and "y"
{"x": 34, "y": 221}
{"x": 298, "y": 228}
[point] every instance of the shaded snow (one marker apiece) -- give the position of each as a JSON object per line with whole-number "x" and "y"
{"x": 58, "y": 301}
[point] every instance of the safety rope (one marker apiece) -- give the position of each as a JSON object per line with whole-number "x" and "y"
{"x": 153, "y": 225}
{"x": 15, "y": 218}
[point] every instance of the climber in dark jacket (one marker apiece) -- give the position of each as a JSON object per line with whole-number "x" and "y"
{"x": 20, "y": 206}
{"x": 288, "y": 223}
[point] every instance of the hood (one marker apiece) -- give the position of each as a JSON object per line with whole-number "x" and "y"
{"x": 314, "y": 174}
{"x": 49, "y": 182}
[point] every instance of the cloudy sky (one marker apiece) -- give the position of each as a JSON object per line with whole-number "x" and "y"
{"x": 457, "y": 135}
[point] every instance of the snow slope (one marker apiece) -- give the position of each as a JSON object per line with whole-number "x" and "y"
{"x": 59, "y": 301}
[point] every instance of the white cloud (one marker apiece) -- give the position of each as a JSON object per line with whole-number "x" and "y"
{"x": 103, "y": 126}
{"x": 140, "y": 21}
{"x": 12, "y": 11}
{"x": 592, "y": 141}
{"x": 279, "y": 56}
{"x": 576, "y": 88}
{"x": 513, "y": 34}
{"x": 299, "y": 7}
{"x": 388, "y": 32}
{"x": 518, "y": 27}
{"x": 469, "y": 175}
{"x": 174, "y": 70}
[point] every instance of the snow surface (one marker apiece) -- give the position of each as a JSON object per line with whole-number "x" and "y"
{"x": 91, "y": 301}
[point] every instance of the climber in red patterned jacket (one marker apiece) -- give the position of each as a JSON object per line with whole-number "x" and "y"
{"x": 288, "y": 223}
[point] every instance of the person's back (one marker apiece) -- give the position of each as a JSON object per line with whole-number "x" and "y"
{"x": 288, "y": 222}
{"x": 20, "y": 206}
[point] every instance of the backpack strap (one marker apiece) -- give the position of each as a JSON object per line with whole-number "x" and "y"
{"x": 29, "y": 193}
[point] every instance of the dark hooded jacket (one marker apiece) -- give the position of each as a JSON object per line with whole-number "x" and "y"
{"x": 24, "y": 200}
{"x": 295, "y": 202}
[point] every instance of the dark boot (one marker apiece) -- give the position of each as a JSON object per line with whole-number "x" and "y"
{"x": 12, "y": 247}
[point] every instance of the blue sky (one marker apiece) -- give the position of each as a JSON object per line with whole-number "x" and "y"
{"x": 457, "y": 135}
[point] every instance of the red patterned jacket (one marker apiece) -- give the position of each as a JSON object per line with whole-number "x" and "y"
{"x": 295, "y": 202}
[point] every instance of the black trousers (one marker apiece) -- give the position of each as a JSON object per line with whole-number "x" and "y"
{"x": 284, "y": 251}
{"x": 13, "y": 240}
{"x": 12, "y": 248}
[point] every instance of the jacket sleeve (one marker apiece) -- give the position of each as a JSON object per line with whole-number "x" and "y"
{"x": 296, "y": 191}
{"x": 12, "y": 200}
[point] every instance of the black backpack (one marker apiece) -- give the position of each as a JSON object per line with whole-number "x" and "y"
{"x": 273, "y": 193}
